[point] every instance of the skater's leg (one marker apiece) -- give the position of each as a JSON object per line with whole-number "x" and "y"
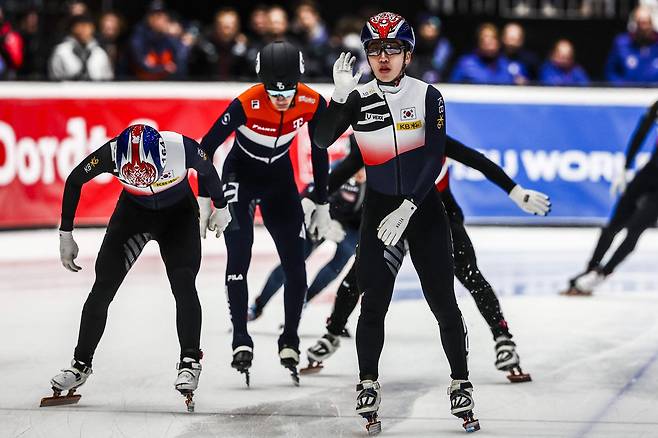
{"x": 180, "y": 247}
{"x": 644, "y": 217}
{"x": 124, "y": 240}
{"x": 344, "y": 250}
{"x": 346, "y": 300}
{"x": 284, "y": 219}
{"x": 239, "y": 238}
{"x": 430, "y": 248}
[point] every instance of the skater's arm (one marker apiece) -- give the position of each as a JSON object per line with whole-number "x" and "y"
{"x": 435, "y": 140}
{"x": 476, "y": 160}
{"x": 335, "y": 120}
{"x": 346, "y": 168}
{"x": 642, "y": 129}
{"x": 99, "y": 161}
{"x": 225, "y": 124}
{"x": 319, "y": 156}
{"x": 196, "y": 158}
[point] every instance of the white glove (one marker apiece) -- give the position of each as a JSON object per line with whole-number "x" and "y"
{"x": 320, "y": 221}
{"x": 392, "y": 226}
{"x": 68, "y": 251}
{"x": 530, "y": 201}
{"x": 309, "y": 207}
{"x": 343, "y": 80}
{"x": 336, "y": 232}
{"x": 219, "y": 220}
{"x": 204, "y": 214}
{"x": 620, "y": 182}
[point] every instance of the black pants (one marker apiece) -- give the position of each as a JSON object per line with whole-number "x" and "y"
{"x": 466, "y": 271}
{"x": 176, "y": 229}
{"x": 430, "y": 247}
{"x": 636, "y": 210}
{"x": 272, "y": 187}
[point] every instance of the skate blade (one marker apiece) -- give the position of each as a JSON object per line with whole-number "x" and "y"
{"x": 518, "y": 376}
{"x": 374, "y": 428}
{"x": 312, "y": 368}
{"x": 245, "y": 371}
{"x": 471, "y": 426}
{"x": 189, "y": 401}
{"x": 573, "y": 292}
{"x": 59, "y": 400}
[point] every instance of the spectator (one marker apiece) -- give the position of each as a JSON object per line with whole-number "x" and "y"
{"x": 110, "y": 38}
{"x": 485, "y": 65}
{"x": 634, "y": 54}
{"x": 523, "y": 63}
{"x": 156, "y": 55}
{"x": 561, "y": 67}
{"x": 11, "y": 49}
{"x": 79, "y": 57}
{"x": 259, "y": 25}
{"x": 314, "y": 38}
{"x": 75, "y": 8}
{"x": 347, "y": 38}
{"x": 223, "y": 54}
{"x": 432, "y": 52}
{"x": 34, "y": 46}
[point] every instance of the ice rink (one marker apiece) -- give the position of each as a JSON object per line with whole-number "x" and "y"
{"x": 594, "y": 361}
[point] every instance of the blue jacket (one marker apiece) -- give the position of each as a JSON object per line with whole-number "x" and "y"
{"x": 629, "y": 62}
{"x": 551, "y": 74}
{"x": 475, "y": 70}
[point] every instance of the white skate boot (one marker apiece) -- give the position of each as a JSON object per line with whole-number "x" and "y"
{"x": 507, "y": 359}
{"x": 322, "y": 350}
{"x": 69, "y": 380}
{"x": 590, "y": 281}
{"x": 188, "y": 380}
{"x": 367, "y": 404}
{"x": 462, "y": 404}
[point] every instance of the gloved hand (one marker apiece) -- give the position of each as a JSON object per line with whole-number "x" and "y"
{"x": 219, "y": 220}
{"x": 620, "y": 182}
{"x": 335, "y": 232}
{"x": 392, "y": 226}
{"x": 204, "y": 214}
{"x": 343, "y": 80}
{"x": 68, "y": 251}
{"x": 320, "y": 221}
{"x": 530, "y": 201}
{"x": 309, "y": 207}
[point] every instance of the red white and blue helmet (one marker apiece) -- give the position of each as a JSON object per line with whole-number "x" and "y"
{"x": 388, "y": 25}
{"x": 140, "y": 155}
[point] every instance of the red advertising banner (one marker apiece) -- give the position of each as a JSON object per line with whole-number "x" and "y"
{"x": 43, "y": 139}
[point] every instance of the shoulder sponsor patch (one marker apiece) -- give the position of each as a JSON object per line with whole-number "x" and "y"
{"x": 306, "y": 99}
{"x": 409, "y": 126}
{"x": 226, "y": 119}
{"x": 378, "y": 117}
{"x": 91, "y": 164}
{"x": 255, "y": 104}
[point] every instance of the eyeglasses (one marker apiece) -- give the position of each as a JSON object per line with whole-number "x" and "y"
{"x": 286, "y": 94}
{"x": 388, "y": 47}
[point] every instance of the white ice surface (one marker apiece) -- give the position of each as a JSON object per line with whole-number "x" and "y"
{"x": 594, "y": 360}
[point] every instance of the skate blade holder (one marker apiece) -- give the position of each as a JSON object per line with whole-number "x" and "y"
{"x": 312, "y": 368}
{"x": 374, "y": 426}
{"x": 573, "y": 292}
{"x": 189, "y": 402}
{"x": 58, "y": 400}
{"x": 516, "y": 375}
{"x": 471, "y": 424}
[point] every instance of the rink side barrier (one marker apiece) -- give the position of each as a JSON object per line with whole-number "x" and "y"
{"x": 564, "y": 142}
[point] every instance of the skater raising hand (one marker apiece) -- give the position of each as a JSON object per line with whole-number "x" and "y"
{"x": 157, "y": 203}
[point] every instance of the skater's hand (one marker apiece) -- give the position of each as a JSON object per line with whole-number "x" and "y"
{"x": 320, "y": 221}
{"x": 219, "y": 220}
{"x": 531, "y": 201}
{"x": 68, "y": 251}
{"x": 336, "y": 232}
{"x": 309, "y": 207}
{"x": 204, "y": 214}
{"x": 343, "y": 79}
{"x": 620, "y": 182}
{"x": 392, "y": 227}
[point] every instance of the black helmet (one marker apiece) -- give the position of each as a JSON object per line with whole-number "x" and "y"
{"x": 279, "y": 66}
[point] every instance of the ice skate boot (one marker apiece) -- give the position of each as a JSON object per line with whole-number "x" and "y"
{"x": 242, "y": 357}
{"x": 188, "y": 380}
{"x": 462, "y": 404}
{"x": 367, "y": 404}
{"x": 583, "y": 284}
{"x": 69, "y": 380}
{"x": 290, "y": 359}
{"x": 507, "y": 359}
{"x": 323, "y": 349}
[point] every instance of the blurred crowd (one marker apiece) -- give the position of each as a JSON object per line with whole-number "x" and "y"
{"x": 163, "y": 46}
